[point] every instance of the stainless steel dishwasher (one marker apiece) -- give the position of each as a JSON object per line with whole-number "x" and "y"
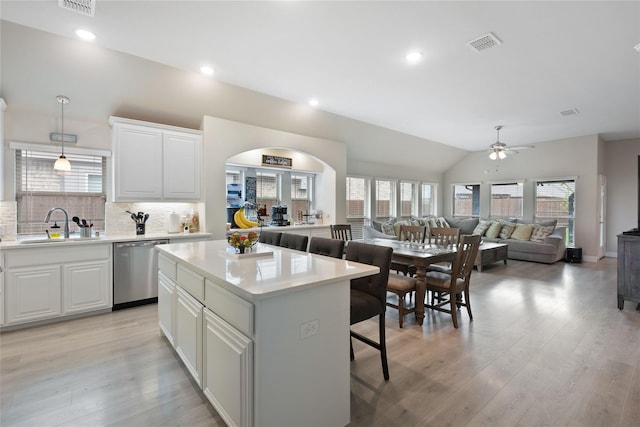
{"x": 135, "y": 273}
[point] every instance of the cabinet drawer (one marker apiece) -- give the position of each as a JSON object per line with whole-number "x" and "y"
{"x": 191, "y": 282}
{"x": 501, "y": 252}
{"x": 167, "y": 266}
{"x": 489, "y": 256}
{"x": 57, "y": 253}
{"x": 230, "y": 307}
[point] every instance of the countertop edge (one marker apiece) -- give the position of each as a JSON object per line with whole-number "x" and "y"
{"x": 254, "y": 297}
{"x": 15, "y": 244}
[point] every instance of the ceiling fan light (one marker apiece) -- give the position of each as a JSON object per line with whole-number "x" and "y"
{"x": 493, "y": 155}
{"x": 62, "y": 164}
{"x": 502, "y": 155}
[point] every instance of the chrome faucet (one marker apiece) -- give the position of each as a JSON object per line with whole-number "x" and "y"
{"x": 66, "y": 220}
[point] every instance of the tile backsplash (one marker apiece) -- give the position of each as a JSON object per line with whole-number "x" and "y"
{"x": 8, "y": 220}
{"x": 119, "y": 222}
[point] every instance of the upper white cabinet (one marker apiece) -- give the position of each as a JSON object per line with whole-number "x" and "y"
{"x": 153, "y": 162}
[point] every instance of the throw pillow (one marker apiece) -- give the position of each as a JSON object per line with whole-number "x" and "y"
{"x": 377, "y": 225}
{"x": 541, "y": 232}
{"x": 482, "y": 227}
{"x": 494, "y": 230}
{"x": 507, "y": 230}
{"x": 396, "y": 226}
{"x": 387, "y": 228}
{"x": 522, "y": 232}
{"x": 442, "y": 223}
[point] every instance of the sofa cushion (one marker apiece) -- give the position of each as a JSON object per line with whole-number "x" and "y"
{"x": 482, "y": 227}
{"x": 494, "y": 230}
{"x": 507, "y": 229}
{"x": 548, "y": 222}
{"x": 522, "y": 232}
{"x": 466, "y": 225}
{"x": 531, "y": 247}
{"x": 541, "y": 232}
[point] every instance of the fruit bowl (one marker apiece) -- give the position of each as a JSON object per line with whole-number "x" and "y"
{"x": 241, "y": 242}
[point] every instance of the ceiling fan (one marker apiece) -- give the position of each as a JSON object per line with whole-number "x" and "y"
{"x": 498, "y": 150}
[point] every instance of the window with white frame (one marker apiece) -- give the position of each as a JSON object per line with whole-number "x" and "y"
{"x": 39, "y": 187}
{"x": 408, "y": 199}
{"x": 385, "y": 199}
{"x": 301, "y": 194}
{"x": 267, "y": 189}
{"x": 428, "y": 199}
{"x": 358, "y": 203}
{"x": 466, "y": 200}
{"x": 555, "y": 199}
{"x": 506, "y": 200}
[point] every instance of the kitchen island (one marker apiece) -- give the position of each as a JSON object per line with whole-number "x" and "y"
{"x": 266, "y": 336}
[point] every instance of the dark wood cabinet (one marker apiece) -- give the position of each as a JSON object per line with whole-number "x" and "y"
{"x": 628, "y": 269}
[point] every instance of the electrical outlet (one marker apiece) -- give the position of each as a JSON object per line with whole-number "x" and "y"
{"x": 308, "y": 329}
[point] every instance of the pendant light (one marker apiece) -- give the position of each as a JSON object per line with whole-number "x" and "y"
{"x": 62, "y": 164}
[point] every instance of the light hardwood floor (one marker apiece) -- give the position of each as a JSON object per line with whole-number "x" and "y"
{"x": 547, "y": 347}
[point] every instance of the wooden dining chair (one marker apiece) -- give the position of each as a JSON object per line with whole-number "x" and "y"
{"x": 341, "y": 231}
{"x": 455, "y": 285}
{"x": 445, "y": 237}
{"x": 294, "y": 241}
{"x": 409, "y": 233}
{"x": 327, "y": 247}
{"x": 270, "y": 237}
{"x": 368, "y": 295}
{"x": 405, "y": 285}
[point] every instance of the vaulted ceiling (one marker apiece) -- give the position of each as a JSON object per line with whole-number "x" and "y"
{"x": 553, "y": 57}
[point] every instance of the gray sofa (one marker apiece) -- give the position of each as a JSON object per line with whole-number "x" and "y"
{"x": 548, "y": 251}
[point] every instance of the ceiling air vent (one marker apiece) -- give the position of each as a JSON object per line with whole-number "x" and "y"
{"x": 85, "y": 7}
{"x": 572, "y": 112}
{"x": 484, "y": 42}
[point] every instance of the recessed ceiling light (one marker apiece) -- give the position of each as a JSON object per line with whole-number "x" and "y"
{"x": 85, "y": 35}
{"x": 206, "y": 70}
{"x": 414, "y": 57}
{"x": 637, "y": 47}
{"x": 314, "y": 102}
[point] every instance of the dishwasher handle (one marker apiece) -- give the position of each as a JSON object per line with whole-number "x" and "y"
{"x": 141, "y": 244}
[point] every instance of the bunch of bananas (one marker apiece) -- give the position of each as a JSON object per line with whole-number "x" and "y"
{"x": 242, "y": 220}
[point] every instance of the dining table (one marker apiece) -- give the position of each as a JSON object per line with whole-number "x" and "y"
{"x": 421, "y": 255}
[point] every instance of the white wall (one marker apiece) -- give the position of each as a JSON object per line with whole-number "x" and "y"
{"x": 224, "y": 139}
{"x": 573, "y": 157}
{"x": 621, "y": 166}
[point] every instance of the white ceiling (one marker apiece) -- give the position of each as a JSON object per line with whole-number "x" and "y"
{"x": 554, "y": 56}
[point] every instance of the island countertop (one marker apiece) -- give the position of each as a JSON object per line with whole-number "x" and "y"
{"x": 267, "y": 272}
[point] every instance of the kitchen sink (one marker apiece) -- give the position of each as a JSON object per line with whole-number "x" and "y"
{"x": 30, "y": 241}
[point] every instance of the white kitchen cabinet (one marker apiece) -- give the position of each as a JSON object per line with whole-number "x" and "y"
{"x": 181, "y": 153}
{"x": 33, "y": 293}
{"x": 166, "y": 305}
{"x": 86, "y": 286}
{"x": 228, "y": 373}
{"x": 153, "y": 162}
{"x": 54, "y": 281}
{"x": 188, "y": 332}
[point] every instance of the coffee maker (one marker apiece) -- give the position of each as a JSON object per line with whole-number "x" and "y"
{"x": 279, "y": 215}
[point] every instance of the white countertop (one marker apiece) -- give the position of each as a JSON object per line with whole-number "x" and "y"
{"x": 255, "y": 278}
{"x": 40, "y": 241}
